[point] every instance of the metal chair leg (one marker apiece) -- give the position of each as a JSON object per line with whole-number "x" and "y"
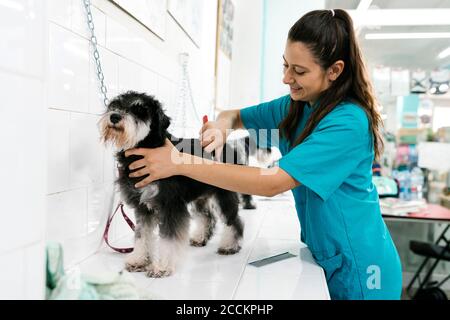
{"x": 416, "y": 276}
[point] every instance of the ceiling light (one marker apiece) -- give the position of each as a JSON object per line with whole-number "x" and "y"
{"x": 443, "y": 87}
{"x": 401, "y": 17}
{"x": 364, "y": 4}
{"x": 444, "y": 53}
{"x": 412, "y": 35}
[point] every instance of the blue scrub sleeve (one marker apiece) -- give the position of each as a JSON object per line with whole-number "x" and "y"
{"x": 331, "y": 153}
{"x": 262, "y": 120}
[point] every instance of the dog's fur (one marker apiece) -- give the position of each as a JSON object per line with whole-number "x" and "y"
{"x": 137, "y": 120}
{"x": 263, "y": 156}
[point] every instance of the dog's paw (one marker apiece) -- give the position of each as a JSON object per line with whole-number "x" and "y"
{"x": 249, "y": 206}
{"x": 134, "y": 263}
{"x": 135, "y": 267}
{"x": 228, "y": 251}
{"x": 197, "y": 243}
{"x": 155, "y": 272}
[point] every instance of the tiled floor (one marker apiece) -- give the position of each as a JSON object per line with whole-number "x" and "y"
{"x": 269, "y": 230}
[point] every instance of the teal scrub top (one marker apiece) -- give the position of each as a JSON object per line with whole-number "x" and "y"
{"x": 337, "y": 204}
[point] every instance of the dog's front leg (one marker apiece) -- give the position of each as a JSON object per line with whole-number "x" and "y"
{"x": 170, "y": 251}
{"x": 174, "y": 235}
{"x": 145, "y": 239}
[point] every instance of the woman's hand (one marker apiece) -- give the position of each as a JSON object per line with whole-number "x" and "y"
{"x": 158, "y": 163}
{"x": 213, "y": 135}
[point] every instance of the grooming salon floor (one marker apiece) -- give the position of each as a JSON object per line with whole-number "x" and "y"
{"x": 270, "y": 230}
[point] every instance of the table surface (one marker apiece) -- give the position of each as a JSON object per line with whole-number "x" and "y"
{"x": 202, "y": 274}
{"x": 431, "y": 213}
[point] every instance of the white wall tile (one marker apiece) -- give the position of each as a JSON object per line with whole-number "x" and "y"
{"x": 109, "y": 66}
{"x": 119, "y": 39}
{"x": 67, "y": 215}
{"x": 130, "y": 76}
{"x": 149, "y": 82}
{"x": 35, "y": 263}
{"x": 58, "y": 131}
{"x": 60, "y": 12}
{"x": 100, "y": 205}
{"x": 86, "y": 151}
{"x": 79, "y": 22}
{"x": 12, "y": 280}
{"x": 166, "y": 63}
{"x": 23, "y": 171}
{"x": 21, "y": 31}
{"x": 168, "y": 96}
{"x": 68, "y": 70}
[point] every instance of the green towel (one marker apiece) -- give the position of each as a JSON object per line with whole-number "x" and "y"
{"x": 75, "y": 286}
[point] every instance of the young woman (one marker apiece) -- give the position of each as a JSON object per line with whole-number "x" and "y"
{"x": 330, "y": 134}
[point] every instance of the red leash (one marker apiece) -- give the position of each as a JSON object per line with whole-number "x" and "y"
{"x": 108, "y": 224}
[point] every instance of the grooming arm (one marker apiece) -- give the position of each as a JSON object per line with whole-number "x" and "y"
{"x": 237, "y": 178}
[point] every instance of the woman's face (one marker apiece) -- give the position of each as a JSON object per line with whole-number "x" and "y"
{"x": 304, "y": 76}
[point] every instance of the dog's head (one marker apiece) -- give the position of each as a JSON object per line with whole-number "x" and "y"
{"x": 132, "y": 117}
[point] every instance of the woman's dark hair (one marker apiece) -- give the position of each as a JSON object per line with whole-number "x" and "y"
{"x": 330, "y": 37}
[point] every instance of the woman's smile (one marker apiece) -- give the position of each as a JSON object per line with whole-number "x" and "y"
{"x": 296, "y": 90}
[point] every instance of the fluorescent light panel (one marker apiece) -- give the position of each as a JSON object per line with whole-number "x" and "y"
{"x": 401, "y": 17}
{"x": 412, "y": 35}
{"x": 364, "y": 5}
{"x": 444, "y": 53}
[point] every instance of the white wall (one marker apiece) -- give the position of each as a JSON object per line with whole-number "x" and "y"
{"x": 260, "y": 33}
{"x": 278, "y": 18}
{"x": 22, "y": 165}
{"x": 247, "y": 44}
{"x": 47, "y": 70}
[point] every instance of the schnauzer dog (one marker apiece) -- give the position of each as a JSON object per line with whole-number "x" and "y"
{"x": 137, "y": 120}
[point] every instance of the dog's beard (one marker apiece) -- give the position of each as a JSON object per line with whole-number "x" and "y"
{"x": 125, "y": 134}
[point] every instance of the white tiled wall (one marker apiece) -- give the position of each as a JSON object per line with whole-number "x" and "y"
{"x": 81, "y": 170}
{"x": 57, "y": 179}
{"x": 23, "y": 166}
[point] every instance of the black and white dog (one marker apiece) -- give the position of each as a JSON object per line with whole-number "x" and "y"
{"x": 161, "y": 208}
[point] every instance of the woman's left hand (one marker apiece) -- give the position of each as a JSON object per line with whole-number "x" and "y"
{"x": 158, "y": 163}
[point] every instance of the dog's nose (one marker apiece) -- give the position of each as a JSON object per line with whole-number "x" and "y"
{"x": 115, "y": 118}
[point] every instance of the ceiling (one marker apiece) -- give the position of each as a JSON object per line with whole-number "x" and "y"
{"x": 403, "y": 53}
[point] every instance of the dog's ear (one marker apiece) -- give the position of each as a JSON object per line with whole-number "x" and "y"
{"x": 158, "y": 129}
{"x": 164, "y": 120}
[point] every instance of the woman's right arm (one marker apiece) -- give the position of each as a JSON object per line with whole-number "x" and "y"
{"x": 213, "y": 134}
{"x": 233, "y": 117}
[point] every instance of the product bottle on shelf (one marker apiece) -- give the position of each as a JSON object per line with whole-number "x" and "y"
{"x": 404, "y": 181}
{"x": 417, "y": 180}
{"x": 407, "y": 185}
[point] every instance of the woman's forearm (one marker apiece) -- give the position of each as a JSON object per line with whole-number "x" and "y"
{"x": 232, "y": 119}
{"x": 237, "y": 178}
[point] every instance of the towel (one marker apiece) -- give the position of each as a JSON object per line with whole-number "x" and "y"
{"x": 74, "y": 285}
